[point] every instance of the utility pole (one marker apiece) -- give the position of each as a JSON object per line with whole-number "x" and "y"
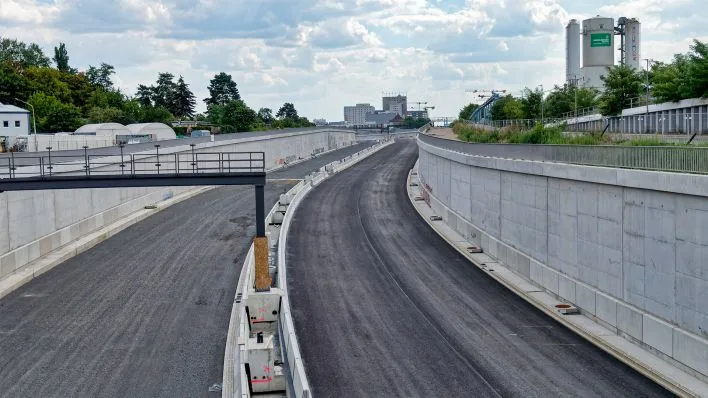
{"x": 646, "y": 113}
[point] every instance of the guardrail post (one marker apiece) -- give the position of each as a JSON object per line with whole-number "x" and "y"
{"x": 86, "y": 159}
{"x": 157, "y": 151}
{"x": 12, "y": 165}
{"x": 50, "y": 160}
{"x": 194, "y": 159}
{"x": 122, "y": 163}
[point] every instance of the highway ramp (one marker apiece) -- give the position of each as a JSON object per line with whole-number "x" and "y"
{"x": 143, "y": 314}
{"x": 384, "y": 307}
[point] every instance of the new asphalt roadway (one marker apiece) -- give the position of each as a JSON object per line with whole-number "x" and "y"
{"x": 384, "y": 307}
{"x": 143, "y": 314}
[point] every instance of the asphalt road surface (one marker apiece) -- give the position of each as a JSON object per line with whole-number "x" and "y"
{"x": 384, "y": 307}
{"x": 143, "y": 314}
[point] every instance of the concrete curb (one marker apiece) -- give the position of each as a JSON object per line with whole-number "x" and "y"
{"x": 38, "y": 267}
{"x": 655, "y": 369}
{"x": 231, "y": 382}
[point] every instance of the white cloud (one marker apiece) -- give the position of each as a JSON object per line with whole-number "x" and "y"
{"x": 324, "y": 54}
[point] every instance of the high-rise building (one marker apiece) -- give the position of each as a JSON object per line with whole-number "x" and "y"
{"x": 396, "y": 103}
{"x": 356, "y": 115}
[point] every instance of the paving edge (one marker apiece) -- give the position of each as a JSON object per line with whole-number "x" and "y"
{"x": 623, "y": 356}
{"x": 50, "y": 260}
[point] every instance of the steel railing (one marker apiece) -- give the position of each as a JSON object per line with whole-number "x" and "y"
{"x": 132, "y": 165}
{"x": 659, "y": 158}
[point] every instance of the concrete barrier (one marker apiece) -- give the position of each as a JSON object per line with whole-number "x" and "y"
{"x": 238, "y": 345}
{"x": 36, "y": 223}
{"x": 628, "y": 247}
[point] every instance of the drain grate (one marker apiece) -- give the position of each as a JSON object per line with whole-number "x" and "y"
{"x": 435, "y": 218}
{"x": 566, "y": 309}
{"x": 474, "y": 249}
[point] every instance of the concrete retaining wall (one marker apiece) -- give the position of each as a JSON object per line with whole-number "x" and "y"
{"x": 34, "y": 223}
{"x": 629, "y": 247}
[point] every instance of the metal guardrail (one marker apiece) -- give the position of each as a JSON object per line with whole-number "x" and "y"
{"x": 131, "y": 165}
{"x": 658, "y": 158}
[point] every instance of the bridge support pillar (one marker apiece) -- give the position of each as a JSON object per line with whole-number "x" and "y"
{"x": 260, "y": 244}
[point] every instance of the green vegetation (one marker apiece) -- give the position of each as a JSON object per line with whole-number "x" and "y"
{"x": 65, "y": 98}
{"x": 547, "y": 135}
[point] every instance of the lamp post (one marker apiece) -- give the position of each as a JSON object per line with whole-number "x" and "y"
{"x": 34, "y": 121}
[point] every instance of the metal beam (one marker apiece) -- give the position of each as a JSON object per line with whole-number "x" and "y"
{"x": 131, "y": 181}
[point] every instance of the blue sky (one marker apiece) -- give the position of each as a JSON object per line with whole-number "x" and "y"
{"x": 325, "y": 54}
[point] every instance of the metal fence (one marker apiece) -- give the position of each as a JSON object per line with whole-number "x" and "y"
{"x": 178, "y": 164}
{"x": 660, "y": 158}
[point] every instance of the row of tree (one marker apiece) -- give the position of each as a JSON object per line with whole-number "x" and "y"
{"x": 64, "y": 98}
{"x": 685, "y": 77}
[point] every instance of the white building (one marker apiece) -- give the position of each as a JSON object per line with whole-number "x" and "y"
{"x": 154, "y": 131}
{"x": 356, "y": 115}
{"x": 103, "y": 129}
{"x": 14, "y": 121}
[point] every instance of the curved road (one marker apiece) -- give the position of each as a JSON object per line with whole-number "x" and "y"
{"x": 143, "y": 314}
{"x": 384, "y": 307}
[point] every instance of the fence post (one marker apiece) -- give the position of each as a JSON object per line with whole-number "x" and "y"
{"x": 157, "y": 151}
{"x": 86, "y": 159}
{"x": 122, "y": 163}
{"x": 194, "y": 160}
{"x": 50, "y": 160}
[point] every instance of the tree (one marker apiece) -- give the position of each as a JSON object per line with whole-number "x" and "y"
{"x": 531, "y": 103}
{"x": 21, "y": 54}
{"x": 622, "y": 83}
{"x": 53, "y": 115}
{"x": 222, "y": 90}
{"x": 287, "y": 111}
{"x": 12, "y": 84}
{"x": 144, "y": 95}
{"x": 156, "y": 114}
{"x": 235, "y": 114}
{"x": 562, "y": 100}
{"x": 184, "y": 99}
{"x": 266, "y": 115}
{"x": 106, "y": 115}
{"x": 507, "y": 108}
{"x": 466, "y": 111}
{"x": 61, "y": 58}
{"x": 165, "y": 92}
{"x": 101, "y": 76}
{"x": 48, "y": 81}
{"x": 698, "y": 69}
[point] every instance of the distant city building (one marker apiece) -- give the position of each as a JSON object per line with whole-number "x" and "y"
{"x": 320, "y": 122}
{"x": 418, "y": 114}
{"x": 397, "y": 103}
{"x": 356, "y": 115}
{"x": 14, "y": 121}
{"x": 383, "y": 117}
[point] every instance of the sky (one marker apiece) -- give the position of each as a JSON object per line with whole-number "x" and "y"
{"x": 322, "y": 55}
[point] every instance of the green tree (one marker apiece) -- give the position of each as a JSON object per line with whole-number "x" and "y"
{"x": 12, "y": 84}
{"x": 106, "y": 115}
{"x": 222, "y": 90}
{"x": 507, "y": 108}
{"x": 466, "y": 111}
{"x": 184, "y": 100}
{"x": 49, "y": 81}
{"x": 698, "y": 69}
{"x": 235, "y": 114}
{"x": 165, "y": 92}
{"x": 61, "y": 58}
{"x": 156, "y": 114}
{"x": 21, "y": 54}
{"x": 562, "y": 100}
{"x": 54, "y": 116}
{"x": 266, "y": 115}
{"x": 531, "y": 103}
{"x": 101, "y": 76}
{"x": 144, "y": 94}
{"x": 287, "y": 111}
{"x": 102, "y": 98}
{"x": 622, "y": 83}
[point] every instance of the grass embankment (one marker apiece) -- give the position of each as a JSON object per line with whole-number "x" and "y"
{"x": 549, "y": 135}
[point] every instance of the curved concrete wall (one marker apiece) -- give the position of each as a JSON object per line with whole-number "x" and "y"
{"x": 34, "y": 223}
{"x": 628, "y": 247}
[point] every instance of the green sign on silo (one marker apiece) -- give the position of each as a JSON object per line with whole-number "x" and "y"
{"x": 600, "y": 40}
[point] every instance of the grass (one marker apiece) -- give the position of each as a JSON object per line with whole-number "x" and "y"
{"x": 550, "y": 136}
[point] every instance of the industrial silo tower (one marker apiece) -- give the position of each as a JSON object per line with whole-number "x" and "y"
{"x": 630, "y": 32}
{"x": 572, "y": 52}
{"x": 598, "y": 49}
